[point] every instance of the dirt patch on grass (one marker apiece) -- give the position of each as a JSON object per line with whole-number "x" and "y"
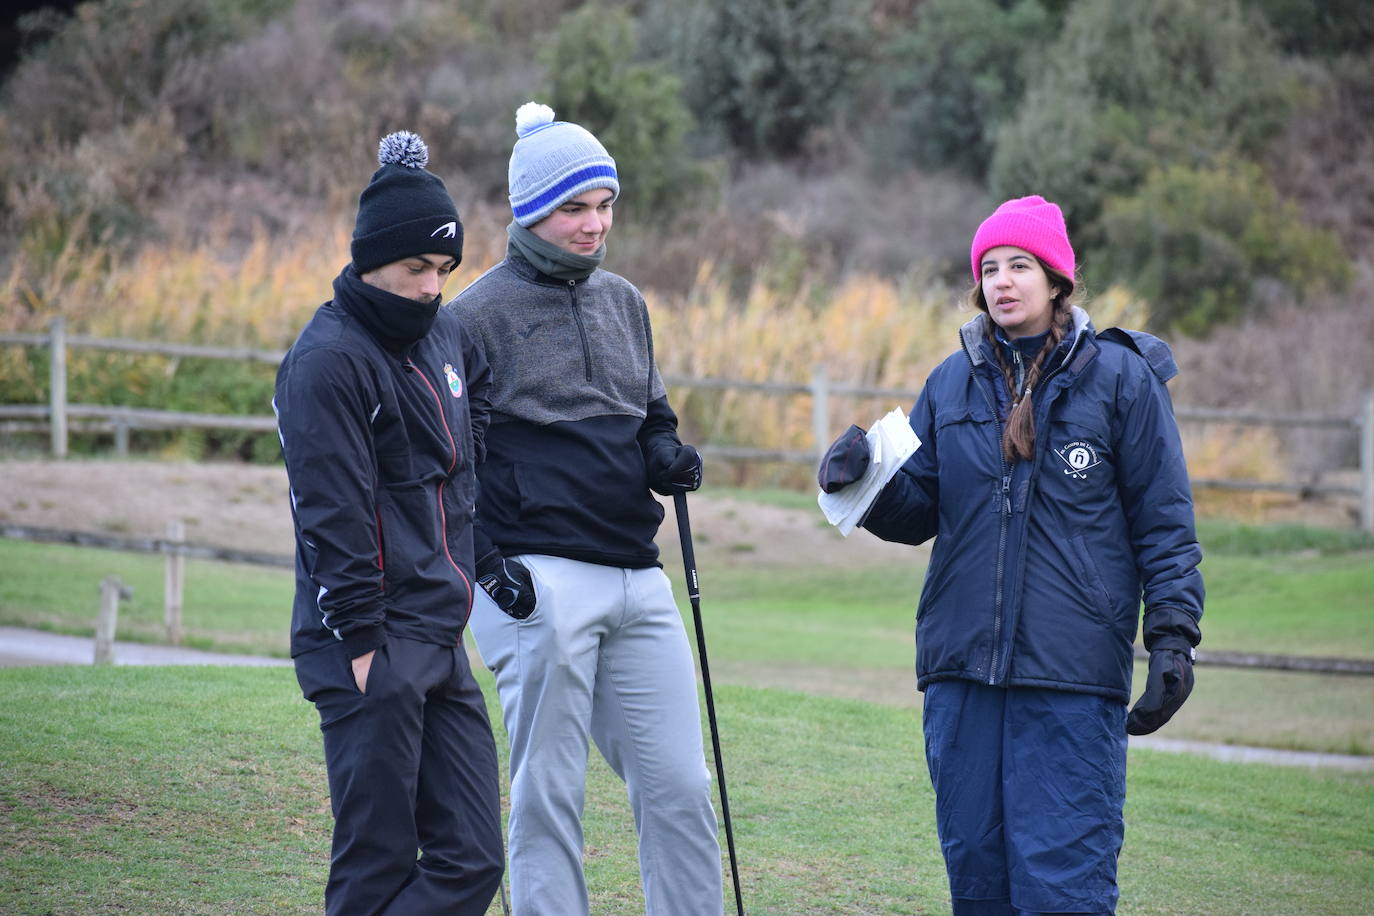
{"x": 228, "y": 505}
{"x": 247, "y": 507}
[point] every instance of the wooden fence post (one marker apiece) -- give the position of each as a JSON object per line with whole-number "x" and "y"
{"x": 1367, "y": 464}
{"x": 57, "y": 386}
{"x": 173, "y": 581}
{"x": 111, "y": 590}
{"x": 820, "y": 409}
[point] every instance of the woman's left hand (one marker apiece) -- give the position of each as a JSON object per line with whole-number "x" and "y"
{"x": 1168, "y": 685}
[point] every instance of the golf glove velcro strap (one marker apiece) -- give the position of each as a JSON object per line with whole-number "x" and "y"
{"x": 845, "y": 461}
{"x": 1168, "y": 684}
{"x": 674, "y": 470}
{"x": 508, "y": 583}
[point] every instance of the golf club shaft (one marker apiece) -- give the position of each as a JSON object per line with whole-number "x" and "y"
{"x": 689, "y": 562}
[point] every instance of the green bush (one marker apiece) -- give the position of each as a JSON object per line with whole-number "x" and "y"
{"x": 1321, "y": 27}
{"x": 1132, "y": 87}
{"x": 1201, "y": 245}
{"x": 97, "y": 113}
{"x": 768, "y": 72}
{"x": 112, "y": 378}
{"x": 135, "y": 121}
{"x": 635, "y": 109}
{"x": 950, "y": 82}
{"x": 110, "y": 62}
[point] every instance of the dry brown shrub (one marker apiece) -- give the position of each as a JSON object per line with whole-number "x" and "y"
{"x": 1325, "y": 158}
{"x": 1223, "y": 452}
{"x": 868, "y": 331}
{"x": 1316, "y": 359}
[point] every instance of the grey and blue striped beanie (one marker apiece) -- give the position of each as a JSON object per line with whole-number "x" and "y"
{"x": 552, "y": 162}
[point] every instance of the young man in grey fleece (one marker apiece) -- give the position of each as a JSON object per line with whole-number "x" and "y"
{"x": 578, "y": 620}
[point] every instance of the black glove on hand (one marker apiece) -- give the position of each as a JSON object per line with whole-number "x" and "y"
{"x": 845, "y": 461}
{"x": 674, "y": 470}
{"x": 508, "y": 583}
{"x": 1167, "y": 686}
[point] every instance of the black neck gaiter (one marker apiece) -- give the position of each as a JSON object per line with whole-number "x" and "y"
{"x": 396, "y": 322}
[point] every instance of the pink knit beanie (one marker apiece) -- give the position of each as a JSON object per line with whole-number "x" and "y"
{"x": 1032, "y": 223}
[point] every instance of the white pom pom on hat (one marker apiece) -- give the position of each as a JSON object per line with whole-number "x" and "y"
{"x": 405, "y": 148}
{"x": 552, "y": 162}
{"x": 532, "y": 116}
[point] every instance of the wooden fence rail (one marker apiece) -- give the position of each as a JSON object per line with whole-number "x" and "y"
{"x": 59, "y": 416}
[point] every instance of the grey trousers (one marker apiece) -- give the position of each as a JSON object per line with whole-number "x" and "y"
{"x": 604, "y": 654}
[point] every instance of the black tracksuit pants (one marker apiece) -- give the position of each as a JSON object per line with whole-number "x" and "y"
{"x": 412, "y": 766}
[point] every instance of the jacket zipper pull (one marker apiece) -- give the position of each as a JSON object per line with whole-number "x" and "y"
{"x": 1006, "y": 495}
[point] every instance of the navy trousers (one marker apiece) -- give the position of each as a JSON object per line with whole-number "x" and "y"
{"x": 412, "y": 769}
{"x": 1029, "y": 790}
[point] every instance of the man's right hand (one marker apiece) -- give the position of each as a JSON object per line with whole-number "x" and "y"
{"x": 508, "y": 583}
{"x": 845, "y": 461}
{"x": 362, "y": 665}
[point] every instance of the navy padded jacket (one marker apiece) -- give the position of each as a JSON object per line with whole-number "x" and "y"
{"x": 381, "y": 406}
{"x": 1038, "y": 570}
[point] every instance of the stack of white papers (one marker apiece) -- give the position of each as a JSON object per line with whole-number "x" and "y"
{"x": 891, "y": 442}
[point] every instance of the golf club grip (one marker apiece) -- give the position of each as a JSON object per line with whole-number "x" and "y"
{"x": 684, "y": 530}
{"x": 684, "y": 534}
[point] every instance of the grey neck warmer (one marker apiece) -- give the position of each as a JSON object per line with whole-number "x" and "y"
{"x": 549, "y": 259}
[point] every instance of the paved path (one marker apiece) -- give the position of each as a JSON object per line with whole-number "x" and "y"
{"x": 19, "y": 647}
{"x": 1241, "y": 754}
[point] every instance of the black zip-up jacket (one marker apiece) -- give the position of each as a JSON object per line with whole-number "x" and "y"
{"x": 381, "y": 405}
{"x": 576, "y": 406}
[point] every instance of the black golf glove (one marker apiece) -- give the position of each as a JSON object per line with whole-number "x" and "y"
{"x": 845, "y": 461}
{"x": 508, "y": 583}
{"x": 1169, "y": 682}
{"x": 674, "y": 470}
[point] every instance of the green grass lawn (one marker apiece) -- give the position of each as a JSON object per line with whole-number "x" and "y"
{"x": 1306, "y": 601}
{"x": 844, "y": 632}
{"x": 201, "y": 791}
{"x": 226, "y": 607}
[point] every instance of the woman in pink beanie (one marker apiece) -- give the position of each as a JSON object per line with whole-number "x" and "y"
{"x": 1051, "y": 477}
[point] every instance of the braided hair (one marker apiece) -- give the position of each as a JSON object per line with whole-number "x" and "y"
{"x": 1018, "y": 435}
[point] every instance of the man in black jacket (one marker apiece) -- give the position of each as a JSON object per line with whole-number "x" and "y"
{"x": 381, "y": 406}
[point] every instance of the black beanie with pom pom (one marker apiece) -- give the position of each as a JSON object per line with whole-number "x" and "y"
{"x": 405, "y": 210}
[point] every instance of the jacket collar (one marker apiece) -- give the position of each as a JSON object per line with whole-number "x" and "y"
{"x": 1081, "y": 349}
{"x": 522, "y": 268}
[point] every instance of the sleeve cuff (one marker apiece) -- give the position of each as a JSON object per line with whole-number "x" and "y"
{"x": 364, "y": 639}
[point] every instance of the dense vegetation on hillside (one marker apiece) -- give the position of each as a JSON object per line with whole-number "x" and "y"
{"x": 1215, "y": 160}
{"x": 837, "y": 134}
